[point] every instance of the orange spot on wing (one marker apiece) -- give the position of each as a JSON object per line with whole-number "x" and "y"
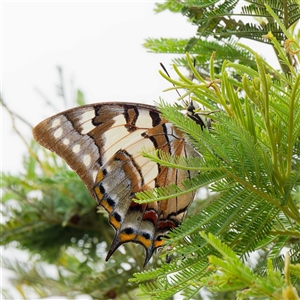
{"x": 98, "y": 193}
{"x": 146, "y": 242}
{"x": 99, "y": 176}
{"x": 108, "y": 207}
{"x": 158, "y": 243}
{"x": 124, "y": 237}
{"x": 114, "y": 222}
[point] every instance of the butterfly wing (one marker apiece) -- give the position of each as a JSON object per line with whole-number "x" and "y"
{"x": 102, "y": 143}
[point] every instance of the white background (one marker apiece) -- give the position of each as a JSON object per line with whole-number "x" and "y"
{"x": 99, "y": 46}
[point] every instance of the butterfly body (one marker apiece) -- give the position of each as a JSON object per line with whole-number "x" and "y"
{"x": 103, "y": 143}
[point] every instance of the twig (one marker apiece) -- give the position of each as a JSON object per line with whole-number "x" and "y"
{"x": 13, "y": 117}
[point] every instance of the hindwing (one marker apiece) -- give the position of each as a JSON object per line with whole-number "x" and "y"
{"x": 102, "y": 143}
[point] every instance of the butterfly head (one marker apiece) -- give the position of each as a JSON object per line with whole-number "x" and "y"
{"x": 194, "y": 112}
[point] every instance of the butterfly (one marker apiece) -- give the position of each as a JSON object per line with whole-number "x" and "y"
{"x": 102, "y": 143}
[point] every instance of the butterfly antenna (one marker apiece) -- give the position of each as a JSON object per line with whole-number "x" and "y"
{"x": 192, "y": 76}
{"x": 165, "y": 70}
{"x": 191, "y": 107}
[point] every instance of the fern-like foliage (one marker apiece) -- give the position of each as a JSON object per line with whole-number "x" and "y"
{"x": 220, "y": 23}
{"x": 201, "y": 52}
{"x": 249, "y": 157}
{"x": 230, "y": 266}
{"x": 74, "y": 270}
{"x": 219, "y": 18}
